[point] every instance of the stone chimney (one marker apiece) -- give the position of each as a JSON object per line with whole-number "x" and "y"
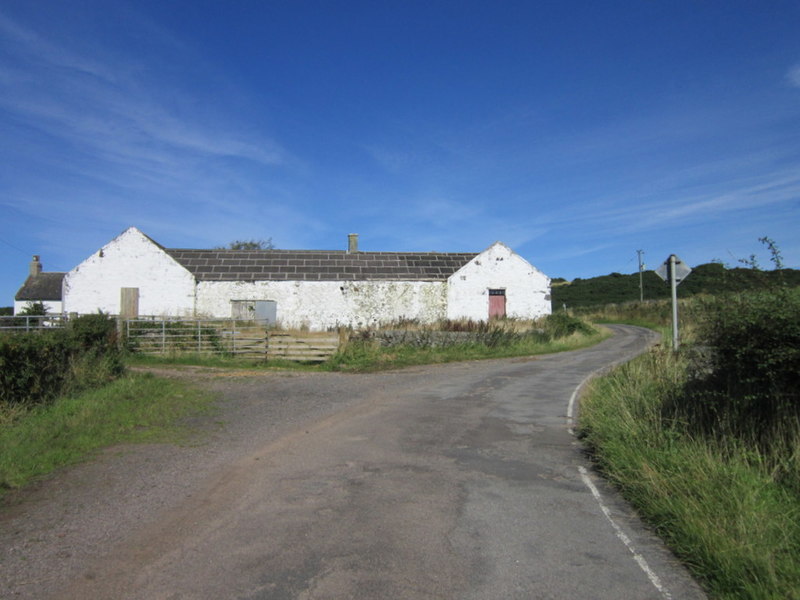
{"x": 352, "y": 242}
{"x": 36, "y": 266}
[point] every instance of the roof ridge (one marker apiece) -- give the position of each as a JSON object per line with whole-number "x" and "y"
{"x": 433, "y": 252}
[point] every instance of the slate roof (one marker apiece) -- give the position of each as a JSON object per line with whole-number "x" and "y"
{"x": 44, "y": 286}
{"x": 318, "y": 265}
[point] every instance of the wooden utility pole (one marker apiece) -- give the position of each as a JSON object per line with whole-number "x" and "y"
{"x": 641, "y": 269}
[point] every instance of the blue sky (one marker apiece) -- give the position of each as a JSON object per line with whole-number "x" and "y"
{"x": 576, "y": 132}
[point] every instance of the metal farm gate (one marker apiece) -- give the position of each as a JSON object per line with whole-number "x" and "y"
{"x": 247, "y": 339}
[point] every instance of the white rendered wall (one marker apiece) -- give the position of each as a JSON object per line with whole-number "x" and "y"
{"x": 498, "y": 267}
{"x": 130, "y": 260}
{"x": 53, "y": 307}
{"x": 320, "y": 305}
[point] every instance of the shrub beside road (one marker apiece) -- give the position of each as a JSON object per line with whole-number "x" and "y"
{"x": 706, "y": 443}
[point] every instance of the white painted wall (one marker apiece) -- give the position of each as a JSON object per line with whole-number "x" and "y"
{"x": 498, "y": 267}
{"x": 53, "y": 307}
{"x": 319, "y": 305}
{"x": 130, "y": 260}
{"x": 167, "y": 289}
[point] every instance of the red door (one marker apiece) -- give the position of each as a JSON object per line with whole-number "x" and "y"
{"x": 497, "y": 304}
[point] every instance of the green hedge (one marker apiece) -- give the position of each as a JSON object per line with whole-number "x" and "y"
{"x": 38, "y": 366}
{"x": 747, "y": 375}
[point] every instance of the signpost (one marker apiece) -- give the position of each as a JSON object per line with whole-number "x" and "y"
{"x": 673, "y": 271}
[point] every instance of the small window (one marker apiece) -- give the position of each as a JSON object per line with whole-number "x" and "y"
{"x": 243, "y": 310}
{"x": 264, "y": 311}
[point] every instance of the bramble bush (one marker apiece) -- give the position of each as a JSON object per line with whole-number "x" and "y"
{"x": 38, "y": 366}
{"x": 747, "y": 382}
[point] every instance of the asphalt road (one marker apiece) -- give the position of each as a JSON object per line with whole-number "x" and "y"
{"x": 458, "y": 481}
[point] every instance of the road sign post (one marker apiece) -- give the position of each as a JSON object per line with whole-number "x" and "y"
{"x": 673, "y": 271}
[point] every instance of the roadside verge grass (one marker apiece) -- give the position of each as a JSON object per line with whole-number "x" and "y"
{"x": 135, "y": 408}
{"x": 365, "y": 353}
{"x": 367, "y": 356}
{"x": 716, "y": 502}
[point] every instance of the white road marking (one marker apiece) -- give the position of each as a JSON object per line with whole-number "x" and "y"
{"x": 571, "y": 404}
{"x": 625, "y": 539}
{"x": 654, "y": 579}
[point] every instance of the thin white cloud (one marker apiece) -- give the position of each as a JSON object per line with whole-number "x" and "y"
{"x": 115, "y": 114}
{"x": 793, "y": 76}
{"x": 574, "y": 251}
{"x": 440, "y": 211}
{"x": 434, "y": 222}
{"x": 127, "y": 148}
{"x": 118, "y": 123}
{"x": 614, "y": 215}
{"x": 32, "y": 46}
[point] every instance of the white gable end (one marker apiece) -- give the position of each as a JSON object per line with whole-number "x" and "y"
{"x": 131, "y": 260}
{"x": 526, "y": 289}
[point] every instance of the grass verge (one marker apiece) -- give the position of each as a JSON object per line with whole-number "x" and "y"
{"x": 134, "y": 408}
{"x": 369, "y": 356}
{"x": 717, "y": 503}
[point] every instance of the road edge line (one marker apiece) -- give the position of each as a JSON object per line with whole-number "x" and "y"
{"x": 584, "y": 473}
{"x": 640, "y": 560}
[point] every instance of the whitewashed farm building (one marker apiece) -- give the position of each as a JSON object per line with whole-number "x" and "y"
{"x": 40, "y": 286}
{"x": 312, "y": 289}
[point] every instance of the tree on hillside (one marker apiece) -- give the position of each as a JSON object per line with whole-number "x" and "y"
{"x": 710, "y": 278}
{"x": 248, "y": 245}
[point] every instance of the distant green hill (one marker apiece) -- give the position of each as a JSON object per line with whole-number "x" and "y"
{"x": 708, "y": 278}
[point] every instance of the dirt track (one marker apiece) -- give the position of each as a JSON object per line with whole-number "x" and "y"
{"x": 454, "y": 481}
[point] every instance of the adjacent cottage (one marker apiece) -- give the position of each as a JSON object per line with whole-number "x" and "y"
{"x": 40, "y": 286}
{"x": 315, "y": 289}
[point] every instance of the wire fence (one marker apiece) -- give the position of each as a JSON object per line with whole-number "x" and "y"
{"x": 28, "y": 323}
{"x": 169, "y": 336}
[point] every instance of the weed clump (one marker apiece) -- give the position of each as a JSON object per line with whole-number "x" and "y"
{"x": 462, "y": 339}
{"x": 562, "y": 324}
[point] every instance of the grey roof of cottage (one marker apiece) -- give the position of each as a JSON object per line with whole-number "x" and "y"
{"x": 319, "y": 265}
{"x": 44, "y": 286}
